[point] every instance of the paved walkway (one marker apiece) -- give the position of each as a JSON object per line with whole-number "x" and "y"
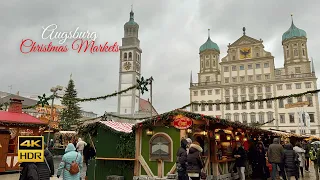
{"x": 57, "y": 160}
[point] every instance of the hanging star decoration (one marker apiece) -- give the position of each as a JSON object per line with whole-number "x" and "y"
{"x": 142, "y": 84}
{"x": 43, "y": 100}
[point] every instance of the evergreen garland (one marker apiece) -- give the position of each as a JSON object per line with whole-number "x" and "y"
{"x": 70, "y": 114}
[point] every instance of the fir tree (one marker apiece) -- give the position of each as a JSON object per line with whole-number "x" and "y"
{"x": 71, "y": 113}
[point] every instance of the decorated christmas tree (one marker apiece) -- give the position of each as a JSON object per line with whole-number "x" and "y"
{"x": 71, "y": 113}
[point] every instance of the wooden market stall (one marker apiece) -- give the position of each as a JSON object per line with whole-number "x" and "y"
{"x": 158, "y": 139}
{"x": 61, "y": 139}
{"x": 14, "y": 123}
{"x": 114, "y": 143}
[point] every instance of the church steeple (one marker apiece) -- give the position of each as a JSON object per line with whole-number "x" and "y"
{"x": 131, "y": 28}
{"x": 130, "y": 68}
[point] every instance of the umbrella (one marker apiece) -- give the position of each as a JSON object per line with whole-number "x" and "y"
{"x": 316, "y": 143}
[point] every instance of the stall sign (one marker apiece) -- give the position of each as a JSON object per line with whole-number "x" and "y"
{"x": 182, "y": 122}
{"x": 30, "y": 149}
{"x": 298, "y": 104}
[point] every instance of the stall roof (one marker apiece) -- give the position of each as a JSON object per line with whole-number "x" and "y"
{"x": 90, "y": 127}
{"x": 68, "y": 132}
{"x": 19, "y": 118}
{"x": 283, "y": 133}
{"x": 167, "y": 118}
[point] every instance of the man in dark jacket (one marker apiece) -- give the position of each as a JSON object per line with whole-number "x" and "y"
{"x": 194, "y": 161}
{"x": 275, "y": 157}
{"x": 240, "y": 154}
{"x": 181, "y": 163}
{"x": 306, "y": 147}
{"x": 46, "y": 168}
{"x": 88, "y": 153}
{"x": 29, "y": 172}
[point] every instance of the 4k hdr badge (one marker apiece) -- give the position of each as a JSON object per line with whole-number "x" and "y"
{"x": 30, "y": 149}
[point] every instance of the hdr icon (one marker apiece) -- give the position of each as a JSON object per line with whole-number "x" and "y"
{"x": 31, "y": 149}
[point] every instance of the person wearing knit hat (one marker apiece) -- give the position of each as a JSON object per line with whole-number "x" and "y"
{"x": 189, "y": 143}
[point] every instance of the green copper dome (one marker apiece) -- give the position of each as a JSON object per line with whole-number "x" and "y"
{"x": 209, "y": 45}
{"x": 131, "y": 21}
{"x": 292, "y": 32}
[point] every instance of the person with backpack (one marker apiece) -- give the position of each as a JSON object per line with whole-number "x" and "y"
{"x": 314, "y": 154}
{"x": 71, "y": 164}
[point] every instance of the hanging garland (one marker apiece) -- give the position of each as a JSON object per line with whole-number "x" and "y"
{"x": 43, "y": 101}
{"x": 255, "y": 100}
{"x": 141, "y": 85}
{"x": 167, "y": 118}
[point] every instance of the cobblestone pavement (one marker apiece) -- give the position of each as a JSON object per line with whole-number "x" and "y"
{"x": 57, "y": 160}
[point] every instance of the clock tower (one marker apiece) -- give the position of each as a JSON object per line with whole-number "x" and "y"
{"x": 130, "y": 66}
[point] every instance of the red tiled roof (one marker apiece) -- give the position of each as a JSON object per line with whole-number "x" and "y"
{"x": 10, "y": 117}
{"x": 145, "y": 106}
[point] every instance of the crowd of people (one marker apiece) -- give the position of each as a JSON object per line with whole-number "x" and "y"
{"x": 70, "y": 167}
{"x": 280, "y": 158}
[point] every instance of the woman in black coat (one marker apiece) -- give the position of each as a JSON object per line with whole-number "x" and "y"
{"x": 194, "y": 161}
{"x": 290, "y": 162}
{"x": 29, "y": 171}
{"x": 182, "y": 161}
{"x": 46, "y": 168}
{"x": 261, "y": 170}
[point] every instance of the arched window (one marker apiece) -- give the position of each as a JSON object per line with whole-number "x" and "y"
{"x": 130, "y": 55}
{"x": 160, "y": 147}
{"x": 195, "y": 106}
{"x": 138, "y": 58}
{"x": 287, "y": 53}
{"x": 295, "y": 52}
{"x": 210, "y": 105}
{"x": 207, "y": 63}
{"x": 125, "y": 56}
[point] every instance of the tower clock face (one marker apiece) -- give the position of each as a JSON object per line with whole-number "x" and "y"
{"x": 127, "y": 66}
{"x": 245, "y": 53}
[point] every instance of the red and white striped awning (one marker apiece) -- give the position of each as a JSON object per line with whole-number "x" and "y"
{"x": 119, "y": 126}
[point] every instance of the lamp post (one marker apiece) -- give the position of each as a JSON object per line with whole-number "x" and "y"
{"x": 54, "y": 91}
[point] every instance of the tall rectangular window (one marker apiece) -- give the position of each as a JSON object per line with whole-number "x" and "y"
{"x": 235, "y": 106}
{"x": 281, "y": 104}
{"x": 244, "y": 105}
{"x": 227, "y": 105}
{"x": 261, "y": 118}
{"x": 253, "y": 118}
{"x": 244, "y": 118}
{"x": 282, "y": 118}
{"x": 291, "y": 117}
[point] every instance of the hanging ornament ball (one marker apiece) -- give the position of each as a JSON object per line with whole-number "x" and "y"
{"x": 158, "y": 118}
{"x": 140, "y": 125}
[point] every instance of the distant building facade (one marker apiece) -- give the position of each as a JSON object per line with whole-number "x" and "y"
{"x": 248, "y": 72}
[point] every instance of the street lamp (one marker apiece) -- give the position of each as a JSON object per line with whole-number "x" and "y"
{"x": 54, "y": 91}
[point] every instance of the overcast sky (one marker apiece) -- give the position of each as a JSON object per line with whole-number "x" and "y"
{"x": 171, "y": 32}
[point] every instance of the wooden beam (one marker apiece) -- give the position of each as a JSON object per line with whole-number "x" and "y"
{"x": 183, "y": 133}
{"x": 145, "y": 166}
{"x": 137, "y": 165}
{"x": 115, "y": 159}
{"x": 160, "y": 164}
{"x": 173, "y": 169}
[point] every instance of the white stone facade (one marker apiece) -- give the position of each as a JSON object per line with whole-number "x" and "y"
{"x": 248, "y": 72}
